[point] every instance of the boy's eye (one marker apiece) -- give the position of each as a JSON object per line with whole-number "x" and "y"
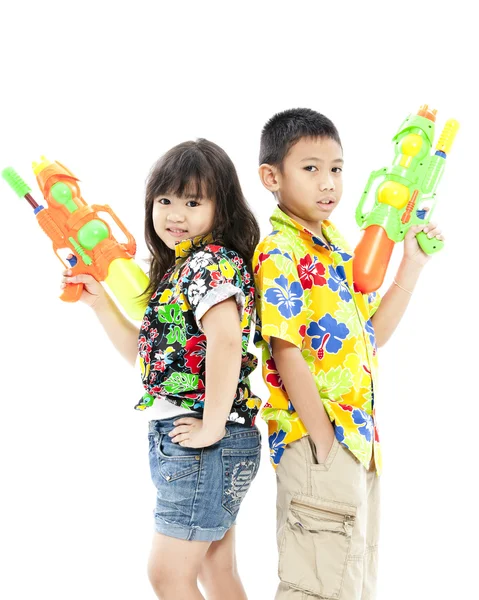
{"x": 192, "y": 203}
{"x": 337, "y": 170}
{"x": 163, "y": 201}
{"x": 310, "y": 168}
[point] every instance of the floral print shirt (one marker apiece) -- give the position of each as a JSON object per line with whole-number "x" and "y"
{"x": 305, "y": 296}
{"x": 172, "y": 345}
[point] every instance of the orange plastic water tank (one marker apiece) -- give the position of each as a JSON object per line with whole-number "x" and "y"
{"x": 371, "y": 259}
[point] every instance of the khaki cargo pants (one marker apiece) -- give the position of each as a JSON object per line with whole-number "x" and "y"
{"x": 327, "y": 525}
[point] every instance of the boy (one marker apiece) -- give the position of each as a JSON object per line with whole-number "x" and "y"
{"x": 319, "y": 339}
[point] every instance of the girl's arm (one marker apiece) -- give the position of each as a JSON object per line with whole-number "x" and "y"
{"x": 123, "y": 335}
{"x": 222, "y": 328}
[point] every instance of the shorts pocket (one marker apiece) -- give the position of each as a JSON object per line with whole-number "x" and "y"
{"x": 315, "y": 545}
{"x": 239, "y": 469}
{"x": 175, "y": 461}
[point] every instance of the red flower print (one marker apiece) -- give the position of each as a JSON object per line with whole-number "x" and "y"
{"x": 302, "y": 331}
{"x": 346, "y": 407}
{"x": 311, "y": 272}
{"x": 273, "y": 378}
{"x": 160, "y": 365}
{"x": 153, "y": 333}
{"x": 145, "y": 324}
{"x": 195, "y": 353}
{"x": 247, "y": 278}
{"x": 261, "y": 258}
{"x": 216, "y": 279}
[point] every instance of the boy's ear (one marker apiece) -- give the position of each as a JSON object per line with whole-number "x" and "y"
{"x": 269, "y": 176}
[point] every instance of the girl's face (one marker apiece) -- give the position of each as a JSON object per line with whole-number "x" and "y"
{"x": 176, "y": 219}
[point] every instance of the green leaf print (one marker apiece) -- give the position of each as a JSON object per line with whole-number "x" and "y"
{"x": 285, "y": 265}
{"x": 334, "y": 384}
{"x": 283, "y": 417}
{"x": 358, "y": 444}
{"x": 187, "y": 403}
{"x": 170, "y": 313}
{"x": 367, "y": 405}
{"x": 176, "y": 334}
{"x": 180, "y": 382}
{"x": 348, "y": 315}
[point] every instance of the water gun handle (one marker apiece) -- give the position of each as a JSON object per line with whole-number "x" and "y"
{"x": 72, "y": 292}
{"x": 130, "y": 246}
{"x": 429, "y": 245}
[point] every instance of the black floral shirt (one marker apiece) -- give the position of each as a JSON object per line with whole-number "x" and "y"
{"x": 172, "y": 345}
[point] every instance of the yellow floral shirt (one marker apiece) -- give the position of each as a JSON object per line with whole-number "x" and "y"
{"x": 305, "y": 296}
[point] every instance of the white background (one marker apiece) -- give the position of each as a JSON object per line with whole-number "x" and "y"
{"x": 107, "y": 90}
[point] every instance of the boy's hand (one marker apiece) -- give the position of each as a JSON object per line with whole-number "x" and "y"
{"x": 193, "y": 433}
{"x": 93, "y": 292}
{"x": 412, "y": 250}
{"x": 324, "y": 445}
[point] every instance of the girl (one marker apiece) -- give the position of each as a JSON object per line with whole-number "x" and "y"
{"x": 204, "y": 446}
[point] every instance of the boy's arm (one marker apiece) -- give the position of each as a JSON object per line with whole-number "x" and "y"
{"x": 303, "y": 393}
{"x": 396, "y": 300}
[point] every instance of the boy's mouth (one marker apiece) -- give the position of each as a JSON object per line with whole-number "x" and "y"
{"x": 328, "y": 201}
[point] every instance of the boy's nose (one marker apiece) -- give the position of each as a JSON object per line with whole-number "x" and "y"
{"x": 327, "y": 184}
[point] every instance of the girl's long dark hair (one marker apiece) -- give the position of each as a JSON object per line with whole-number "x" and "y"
{"x": 200, "y": 168}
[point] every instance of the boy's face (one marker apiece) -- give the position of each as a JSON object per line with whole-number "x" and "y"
{"x": 309, "y": 187}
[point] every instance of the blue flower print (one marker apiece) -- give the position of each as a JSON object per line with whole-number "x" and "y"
{"x": 277, "y": 445}
{"x": 327, "y": 332}
{"x": 319, "y": 242}
{"x": 370, "y": 331}
{"x": 344, "y": 255}
{"x": 278, "y": 251}
{"x": 338, "y": 281}
{"x": 288, "y": 301}
{"x": 339, "y": 431}
{"x": 366, "y": 422}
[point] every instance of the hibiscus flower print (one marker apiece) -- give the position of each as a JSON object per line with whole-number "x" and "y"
{"x": 273, "y": 376}
{"x": 200, "y": 260}
{"x": 277, "y": 445}
{"x": 366, "y": 422}
{"x": 337, "y": 281}
{"x": 327, "y": 335}
{"x": 196, "y": 291}
{"x": 195, "y": 353}
{"x": 311, "y": 272}
{"x": 286, "y": 298}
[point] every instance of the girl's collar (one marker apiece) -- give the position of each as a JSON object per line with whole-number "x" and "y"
{"x": 184, "y": 248}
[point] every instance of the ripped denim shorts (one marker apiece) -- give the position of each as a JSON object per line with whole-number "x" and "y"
{"x": 199, "y": 490}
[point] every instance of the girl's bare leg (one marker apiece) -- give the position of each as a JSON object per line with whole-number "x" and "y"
{"x": 173, "y": 567}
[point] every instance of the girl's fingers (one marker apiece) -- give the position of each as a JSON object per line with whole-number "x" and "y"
{"x": 182, "y": 437}
{"x": 184, "y": 421}
{"x": 178, "y": 430}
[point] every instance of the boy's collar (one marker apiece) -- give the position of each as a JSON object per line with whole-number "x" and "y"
{"x": 184, "y": 248}
{"x": 285, "y": 221}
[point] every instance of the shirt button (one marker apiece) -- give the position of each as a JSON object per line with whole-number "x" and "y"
{"x": 197, "y": 457}
{"x": 168, "y": 478}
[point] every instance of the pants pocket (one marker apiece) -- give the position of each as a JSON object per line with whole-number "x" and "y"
{"x": 171, "y": 461}
{"x": 239, "y": 469}
{"x": 315, "y": 545}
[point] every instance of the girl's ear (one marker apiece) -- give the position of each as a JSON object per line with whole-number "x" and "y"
{"x": 269, "y": 176}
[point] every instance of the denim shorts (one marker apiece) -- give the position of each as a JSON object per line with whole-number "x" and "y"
{"x": 199, "y": 490}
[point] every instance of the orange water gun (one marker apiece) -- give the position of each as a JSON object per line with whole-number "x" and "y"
{"x": 72, "y": 224}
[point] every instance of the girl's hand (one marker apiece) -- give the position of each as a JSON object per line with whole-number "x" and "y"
{"x": 412, "y": 250}
{"x": 192, "y": 433}
{"x": 93, "y": 292}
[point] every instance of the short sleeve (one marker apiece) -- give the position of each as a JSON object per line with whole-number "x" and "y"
{"x": 212, "y": 278}
{"x": 280, "y": 298}
{"x": 374, "y": 300}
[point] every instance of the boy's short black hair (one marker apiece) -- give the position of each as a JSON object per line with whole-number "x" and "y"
{"x": 286, "y": 128}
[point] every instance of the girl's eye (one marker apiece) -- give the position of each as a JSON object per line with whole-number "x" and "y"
{"x": 337, "y": 170}
{"x": 163, "y": 201}
{"x": 310, "y": 168}
{"x": 192, "y": 203}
